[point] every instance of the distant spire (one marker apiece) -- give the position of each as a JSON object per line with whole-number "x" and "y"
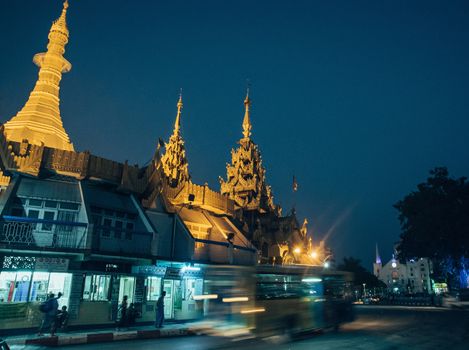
{"x": 247, "y": 119}
{"x": 378, "y": 258}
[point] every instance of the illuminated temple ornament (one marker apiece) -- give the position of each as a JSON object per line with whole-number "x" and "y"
{"x": 174, "y": 160}
{"x": 39, "y": 121}
{"x": 245, "y": 183}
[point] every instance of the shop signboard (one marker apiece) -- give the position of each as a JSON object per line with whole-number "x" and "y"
{"x": 51, "y": 264}
{"x": 172, "y": 273}
{"x": 149, "y": 270}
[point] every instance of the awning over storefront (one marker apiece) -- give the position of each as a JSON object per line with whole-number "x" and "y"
{"x": 67, "y": 191}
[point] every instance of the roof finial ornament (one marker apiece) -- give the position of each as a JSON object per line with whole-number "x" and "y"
{"x": 177, "y": 123}
{"x": 247, "y": 119}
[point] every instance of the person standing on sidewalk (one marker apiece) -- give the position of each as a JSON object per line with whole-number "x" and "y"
{"x": 123, "y": 313}
{"x": 49, "y": 309}
{"x": 160, "y": 311}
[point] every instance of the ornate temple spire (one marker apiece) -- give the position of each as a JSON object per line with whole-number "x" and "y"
{"x": 247, "y": 119}
{"x": 245, "y": 176}
{"x": 39, "y": 121}
{"x": 174, "y": 160}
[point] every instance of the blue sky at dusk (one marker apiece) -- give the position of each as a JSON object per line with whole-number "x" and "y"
{"x": 358, "y": 99}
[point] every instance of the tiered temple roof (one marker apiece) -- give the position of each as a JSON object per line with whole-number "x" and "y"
{"x": 174, "y": 160}
{"x": 245, "y": 177}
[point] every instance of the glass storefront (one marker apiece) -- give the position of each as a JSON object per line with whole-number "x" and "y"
{"x": 97, "y": 287}
{"x": 23, "y": 286}
{"x": 153, "y": 286}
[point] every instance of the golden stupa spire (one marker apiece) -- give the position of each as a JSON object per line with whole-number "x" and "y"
{"x": 247, "y": 120}
{"x": 39, "y": 121}
{"x": 174, "y": 160}
{"x": 177, "y": 123}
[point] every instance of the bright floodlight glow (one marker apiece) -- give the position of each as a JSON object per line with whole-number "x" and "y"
{"x": 326, "y": 264}
{"x": 311, "y": 279}
{"x": 234, "y": 299}
{"x": 393, "y": 264}
{"x": 297, "y": 250}
{"x": 205, "y": 296}
{"x": 314, "y": 255}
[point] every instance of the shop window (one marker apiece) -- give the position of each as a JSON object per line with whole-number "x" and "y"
{"x": 14, "y": 286}
{"x": 153, "y": 285}
{"x": 39, "y": 286}
{"x": 96, "y": 287}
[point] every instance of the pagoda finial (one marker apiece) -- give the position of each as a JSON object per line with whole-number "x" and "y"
{"x": 247, "y": 119}
{"x": 177, "y": 123}
{"x": 60, "y": 24}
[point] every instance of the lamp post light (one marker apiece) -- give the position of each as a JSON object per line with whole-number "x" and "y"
{"x": 364, "y": 290}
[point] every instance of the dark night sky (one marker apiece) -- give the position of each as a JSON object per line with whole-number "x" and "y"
{"x": 358, "y": 98}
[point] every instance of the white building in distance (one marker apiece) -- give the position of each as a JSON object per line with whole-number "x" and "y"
{"x": 411, "y": 277}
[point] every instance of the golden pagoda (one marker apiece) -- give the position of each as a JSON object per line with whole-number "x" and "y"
{"x": 39, "y": 121}
{"x": 174, "y": 162}
{"x": 245, "y": 183}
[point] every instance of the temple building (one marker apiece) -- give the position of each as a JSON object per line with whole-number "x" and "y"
{"x": 96, "y": 229}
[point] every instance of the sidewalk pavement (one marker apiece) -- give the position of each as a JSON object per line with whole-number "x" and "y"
{"x": 103, "y": 335}
{"x": 133, "y": 333}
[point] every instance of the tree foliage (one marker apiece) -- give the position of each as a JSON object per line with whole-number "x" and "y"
{"x": 361, "y": 275}
{"x": 435, "y": 219}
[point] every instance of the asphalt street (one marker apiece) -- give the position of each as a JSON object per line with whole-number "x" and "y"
{"x": 376, "y": 327}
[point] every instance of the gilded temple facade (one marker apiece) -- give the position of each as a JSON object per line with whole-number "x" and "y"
{"x": 98, "y": 229}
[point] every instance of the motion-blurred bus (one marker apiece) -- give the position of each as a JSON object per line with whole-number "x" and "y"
{"x": 271, "y": 300}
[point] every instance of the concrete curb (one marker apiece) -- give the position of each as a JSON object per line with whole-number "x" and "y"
{"x": 94, "y": 338}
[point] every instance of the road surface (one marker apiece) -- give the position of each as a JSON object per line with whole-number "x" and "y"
{"x": 376, "y": 327}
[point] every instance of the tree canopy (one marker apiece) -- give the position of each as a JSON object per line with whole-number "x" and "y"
{"x": 435, "y": 218}
{"x": 435, "y": 224}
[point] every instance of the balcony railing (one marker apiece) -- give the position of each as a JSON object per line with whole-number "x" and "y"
{"x": 38, "y": 233}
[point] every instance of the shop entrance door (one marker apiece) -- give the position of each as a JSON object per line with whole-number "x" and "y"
{"x": 127, "y": 287}
{"x": 168, "y": 287}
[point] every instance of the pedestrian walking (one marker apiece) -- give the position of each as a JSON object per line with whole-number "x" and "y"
{"x": 160, "y": 311}
{"x": 49, "y": 309}
{"x": 61, "y": 320}
{"x": 123, "y": 313}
